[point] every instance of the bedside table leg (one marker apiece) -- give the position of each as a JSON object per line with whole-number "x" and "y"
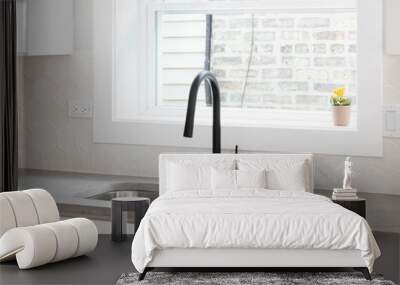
{"x": 118, "y": 222}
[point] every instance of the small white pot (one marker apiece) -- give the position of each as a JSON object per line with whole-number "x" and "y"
{"x": 341, "y": 115}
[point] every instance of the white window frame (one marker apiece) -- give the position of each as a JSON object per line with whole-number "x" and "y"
{"x": 136, "y": 119}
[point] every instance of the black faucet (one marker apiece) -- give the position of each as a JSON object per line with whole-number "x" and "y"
{"x": 210, "y": 79}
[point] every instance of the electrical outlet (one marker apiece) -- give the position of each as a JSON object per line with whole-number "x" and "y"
{"x": 391, "y": 120}
{"x": 79, "y": 109}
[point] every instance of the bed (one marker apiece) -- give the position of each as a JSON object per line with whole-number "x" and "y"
{"x": 246, "y": 211}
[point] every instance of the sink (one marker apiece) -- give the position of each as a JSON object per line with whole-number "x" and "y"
{"x": 129, "y": 190}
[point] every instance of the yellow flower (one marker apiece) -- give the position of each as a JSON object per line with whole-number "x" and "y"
{"x": 339, "y": 92}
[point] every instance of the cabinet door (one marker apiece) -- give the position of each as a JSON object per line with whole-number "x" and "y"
{"x": 392, "y": 24}
{"x": 50, "y": 27}
{"x": 21, "y": 27}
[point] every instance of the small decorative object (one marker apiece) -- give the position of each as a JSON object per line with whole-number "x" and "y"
{"x": 341, "y": 107}
{"x": 347, "y": 174}
{"x": 347, "y": 192}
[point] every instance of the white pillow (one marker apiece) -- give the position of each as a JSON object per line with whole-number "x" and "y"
{"x": 251, "y": 178}
{"x": 193, "y": 172}
{"x": 223, "y": 179}
{"x": 226, "y": 179}
{"x": 282, "y": 174}
{"x": 291, "y": 178}
{"x": 187, "y": 177}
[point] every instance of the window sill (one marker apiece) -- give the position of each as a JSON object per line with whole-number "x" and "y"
{"x": 248, "y": 118}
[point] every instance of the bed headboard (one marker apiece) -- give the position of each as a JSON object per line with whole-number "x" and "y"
{"x": 214, "y": 158}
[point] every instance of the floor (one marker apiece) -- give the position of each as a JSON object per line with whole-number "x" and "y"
{"x": 104, "y": 266}
{"x": 110, "y": 260}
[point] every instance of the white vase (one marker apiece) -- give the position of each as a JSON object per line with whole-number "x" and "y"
{"x": 341, "y": 115}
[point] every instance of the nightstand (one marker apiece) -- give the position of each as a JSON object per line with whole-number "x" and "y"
{"x": 358, "y": 205}
{"x": 119, "y": 217}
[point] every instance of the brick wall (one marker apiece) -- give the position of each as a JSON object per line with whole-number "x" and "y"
{"x": 297, "y": 59}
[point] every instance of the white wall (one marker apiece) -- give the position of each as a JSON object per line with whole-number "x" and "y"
{"x": 54, "y": 141}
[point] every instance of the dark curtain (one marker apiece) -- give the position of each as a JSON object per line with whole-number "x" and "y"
{"x": 8, "y": 99}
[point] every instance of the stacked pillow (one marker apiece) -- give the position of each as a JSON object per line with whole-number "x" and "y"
{"x": 282, "y": 174}
{"x": 190, "y": 174}
{"x": 238, "y": 179}
{"x": 236, "y": 174}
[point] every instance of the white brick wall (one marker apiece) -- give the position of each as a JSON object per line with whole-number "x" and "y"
{"x": 297, "y": 58}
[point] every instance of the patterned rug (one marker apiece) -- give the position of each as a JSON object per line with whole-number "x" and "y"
{"x": 244, "y": 278}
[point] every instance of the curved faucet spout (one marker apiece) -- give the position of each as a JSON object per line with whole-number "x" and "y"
{"x": 210, "y": 79}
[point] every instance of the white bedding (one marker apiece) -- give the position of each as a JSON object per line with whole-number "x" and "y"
{"x": 251, "y": 218}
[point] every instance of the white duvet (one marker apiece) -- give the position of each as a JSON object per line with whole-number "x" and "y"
{"x": 252, "y": 218}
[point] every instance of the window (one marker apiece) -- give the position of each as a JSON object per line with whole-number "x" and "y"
{"x": 263, "y": 60}
{"x": 277, "y": 62}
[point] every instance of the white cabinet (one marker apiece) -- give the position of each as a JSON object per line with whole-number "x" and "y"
{"x": 392, "y": 26}
{"x": 46, "y": 27}
{"x": 21, "y": 27}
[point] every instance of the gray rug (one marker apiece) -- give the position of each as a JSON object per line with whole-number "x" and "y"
{"x": 233, "y": 278}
